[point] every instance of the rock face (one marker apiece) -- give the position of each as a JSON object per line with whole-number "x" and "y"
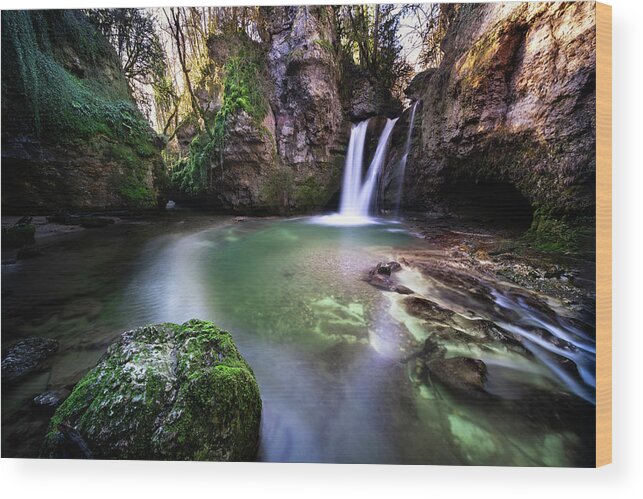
{"x": 512, "y": 103}
{"x": 26, "y": 356}
{"x": 310, "y": 129}
{"x": 287, "y": 157}
{"x": 163, "y": 392}
{"x": 365, "y": 98}
{"x": 72, "y": 137}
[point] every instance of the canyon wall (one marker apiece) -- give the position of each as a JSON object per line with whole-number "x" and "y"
{"x": 512, "y": 104}
{"x": 72, "y": 137}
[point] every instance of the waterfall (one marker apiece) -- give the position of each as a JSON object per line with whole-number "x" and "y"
{"x": 401, "y": 170}
{"x": 353, "y": 170}
{"x": 358, "y": 194}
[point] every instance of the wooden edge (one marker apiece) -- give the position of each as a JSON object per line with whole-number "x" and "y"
{"x": 603, "y": 234}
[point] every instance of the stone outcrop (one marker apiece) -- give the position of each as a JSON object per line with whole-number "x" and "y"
{"x": 512, "y": 103}
{"x": 365, "y": 97}
{"x": 72, "y": 137}
{"x": 162, "y": 392}
{"x": 288, "y": 157}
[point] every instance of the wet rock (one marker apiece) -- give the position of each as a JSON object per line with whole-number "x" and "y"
{"x": 368, "y": 97}
{"x": 427, "y": 309}
{"x": 28, "y": 252}
{"x": 381, "y": 277}
{"x": 103, "y": 154}
{"x": 17, "y": 236}
{"x": 403, "y": 290}
{"x": 68, "y": 443}
{"x": 48, "y": 400}
{"x": 387, "y": 268}
{"x": 165, "y": 391}
{"x": 26, "y": 356}
{"x": 459, "y": 373}
{"x": 419, "y": 82}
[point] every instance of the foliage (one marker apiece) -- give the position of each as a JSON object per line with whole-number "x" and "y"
{"x": 242, "y": 91}
{"x": 428, "y": 27}
{"x": 134, "y": 35}
{"x": 62, "y": 105}
{"x": 369, "y": 37}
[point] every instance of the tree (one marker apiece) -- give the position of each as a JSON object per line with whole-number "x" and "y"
{"x": 133, "y": 34}
{"x": 369, "y": 37}
{"x": 427, "y": 24}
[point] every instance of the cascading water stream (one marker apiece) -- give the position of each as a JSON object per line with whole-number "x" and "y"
{"x": 357, "y": 196}
{"x": 402, "y": 165}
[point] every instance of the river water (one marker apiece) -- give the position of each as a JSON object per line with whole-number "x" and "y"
{"x": 326, "y": 347}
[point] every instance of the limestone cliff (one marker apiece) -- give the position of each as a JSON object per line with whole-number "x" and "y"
{"x": 512, "y": 103}
{"x": 72, "y": 137}
{"x": 283, "y": 138}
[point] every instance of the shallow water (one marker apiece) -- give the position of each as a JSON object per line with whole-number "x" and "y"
{"x": 326, "y": 347}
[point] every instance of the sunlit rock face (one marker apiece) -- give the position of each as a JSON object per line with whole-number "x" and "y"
{"x": 72, "y": 137}
{"x": 291, "y": 161}
{"x": 512, "y": 101}
{"x": 310, "y": 128}
{"x": 162, "y": 392}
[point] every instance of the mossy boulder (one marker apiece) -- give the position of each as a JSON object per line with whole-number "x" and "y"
{"x": 165, "y": 391}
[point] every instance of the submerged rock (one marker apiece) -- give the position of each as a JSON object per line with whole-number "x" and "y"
{"x": 459, "y": 373}
{"x": 165, "y": 391}
{"x": 26, "y": 356}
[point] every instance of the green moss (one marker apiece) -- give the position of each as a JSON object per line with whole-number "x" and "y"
{"x": 243, "y": 74}
{"x": 325, "y": 45}
{"x": 561, "y": 234}
{"x": 64, "y": 81}
{"x": 62, "y": 105}
{"x": 166, "y": 392}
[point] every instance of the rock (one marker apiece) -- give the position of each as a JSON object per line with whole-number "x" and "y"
{"x": 17, "y": 236}
{"x": 427, "y": 310}
{"x": 26, "y": 356}
{"x": 48, "y": 400}
{"x": 310, "y": 128}
{"x": 459, "y": 373}
{"x": 68, "y": 443}
{"x": 166, "y": 391}
{"x": 381, "y": 277}
{"x": 511, "y": 107}
{"x": 403, "y": 290}
{"x": 367, "y": 97}
{"x": 419, "y": 83}
{"x": 28, "y": 252}
{"x": 387, "y": 268}
{"x": 72, "y": 135}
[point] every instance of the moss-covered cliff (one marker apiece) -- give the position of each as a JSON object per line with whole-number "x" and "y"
{"x": 72, "y": 137}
